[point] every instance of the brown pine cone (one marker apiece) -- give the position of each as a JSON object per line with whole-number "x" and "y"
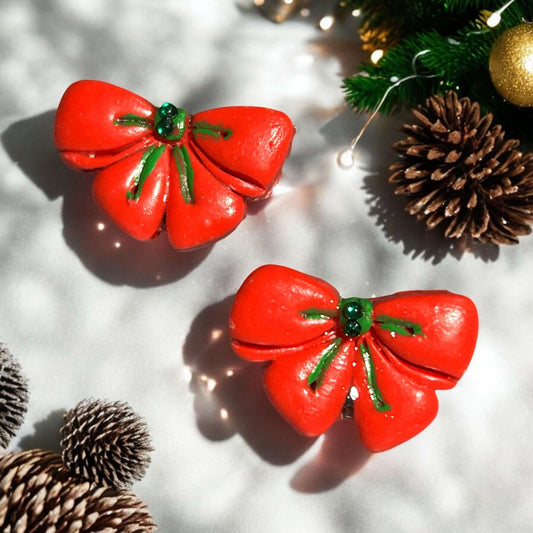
{"x": 13, "y": 396}
{"x": 461, "y": 175}
{"x": 38, "y": 493}
{"x": 106, "y": 443}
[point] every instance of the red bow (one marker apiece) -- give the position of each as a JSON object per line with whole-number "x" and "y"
{"x": 164, "y": 167}
{"x": 379, "y": 360}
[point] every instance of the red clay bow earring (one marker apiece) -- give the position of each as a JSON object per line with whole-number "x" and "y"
{"x": 162, "y": 167}
{"x": 382, "y": 358}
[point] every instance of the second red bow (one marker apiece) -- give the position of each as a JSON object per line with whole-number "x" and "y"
{"x": 378, "y": 361}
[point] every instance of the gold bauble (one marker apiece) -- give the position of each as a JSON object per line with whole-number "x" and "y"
{"x": 511, "y": 65}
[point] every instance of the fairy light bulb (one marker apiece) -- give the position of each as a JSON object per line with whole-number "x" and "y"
{"x": 496, "y": 17}
{"x": 494, "y": 20}
{"x": 326, "y": 22}
{"x": 376, "y": 55}
{"x": 346, "y": 159}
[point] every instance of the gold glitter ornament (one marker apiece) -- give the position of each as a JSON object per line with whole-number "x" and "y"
{"x": 511, "y": 65}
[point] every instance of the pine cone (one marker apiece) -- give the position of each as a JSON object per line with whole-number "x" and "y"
{"x": 462, "y": 175}
{"x": 13, "y": 396}
{"x": 106, "y": 443}
{"x": 38, "y": 493}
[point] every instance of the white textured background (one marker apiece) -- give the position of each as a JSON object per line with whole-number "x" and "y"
{"x": 146, "y": 324}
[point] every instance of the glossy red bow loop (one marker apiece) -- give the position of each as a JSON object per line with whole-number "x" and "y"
{"x": 165, "y": 168}
{"x": 378, "y": 361}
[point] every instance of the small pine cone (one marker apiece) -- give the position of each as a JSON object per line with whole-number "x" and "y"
{"x": 462, "y": 175}
{"x": 13, "y": 396}
{"x": 106, "y": 443}
{"x": 38, "y": 493}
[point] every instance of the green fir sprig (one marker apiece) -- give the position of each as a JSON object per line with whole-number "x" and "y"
{"x": 438, "y": 45}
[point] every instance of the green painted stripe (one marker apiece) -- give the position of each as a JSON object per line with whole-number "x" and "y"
{"x": 373, "y": 389}
{"x": 314, "y": 313}
{"x": 317, "y": 375}
{"x": 130, "y": 119}
{"x": 185, "y": 171}
{"x": 399, "y": 326}
{"x": 147, "y": 164}
{"x": 218, "y": 132}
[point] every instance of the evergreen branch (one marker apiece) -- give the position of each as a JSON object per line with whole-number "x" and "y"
{"x": 384, "y": 23}
{"x": 456, "y": 59}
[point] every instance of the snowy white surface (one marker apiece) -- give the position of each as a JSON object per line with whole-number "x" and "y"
{"x": 91, "y": 313}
